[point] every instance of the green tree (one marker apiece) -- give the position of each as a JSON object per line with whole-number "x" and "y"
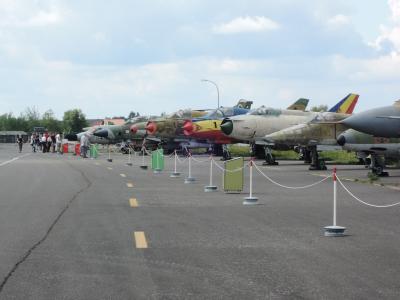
{"x": 50, "y": 122}
{"x": 74, "y": 121}
{"x": 319, "y": 108}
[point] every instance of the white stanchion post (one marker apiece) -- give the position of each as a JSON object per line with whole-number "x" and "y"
{"x": 175, "y": 174}
{"x": 190, "y": 179}
{"x": 143, "y": 166}
{"x": 250, "y": 200}
{"x": 129, "y": 163}
{"x": 334, "y": 230}
{"x": 211, "y": 187}
{"x": 109, "y": 154}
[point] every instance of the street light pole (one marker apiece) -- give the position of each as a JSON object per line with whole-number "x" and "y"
{"x": 216, "y": 86}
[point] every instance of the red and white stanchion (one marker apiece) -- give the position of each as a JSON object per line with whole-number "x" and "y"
{"x": 211, "y": 187}
{"x": 251, "y": 200}
{"x": 334, "y": 230}
{"x": 143, "y": 166}
{"x": 175, "y": 174}
{"x": 190, "y": 179}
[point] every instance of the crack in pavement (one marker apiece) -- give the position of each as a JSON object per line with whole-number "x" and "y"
{"x": 53, "y": 224}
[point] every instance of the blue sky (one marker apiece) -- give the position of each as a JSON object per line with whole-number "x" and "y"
{"x": 112, "y": 57}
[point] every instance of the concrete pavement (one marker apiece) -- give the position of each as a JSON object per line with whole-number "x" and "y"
{"x": 67, "y": 231}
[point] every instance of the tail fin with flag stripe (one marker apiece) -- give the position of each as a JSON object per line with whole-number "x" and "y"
{"x": 346, "y": 105}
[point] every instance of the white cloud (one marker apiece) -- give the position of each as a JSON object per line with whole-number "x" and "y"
{"x": 339, "y": 20}
{"x": 100, "y": 37}
{"x": 18, "y": 13}
{"x": 395, "y": 9}
{"x": 390, "y": 36}
{"x": 246, "y": 24}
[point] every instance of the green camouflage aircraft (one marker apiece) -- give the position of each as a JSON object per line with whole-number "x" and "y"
{"x": 366, "y": 145}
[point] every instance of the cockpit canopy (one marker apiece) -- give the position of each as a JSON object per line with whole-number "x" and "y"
{"x": 181, "y": 114}
{"x": 264, "y": 111}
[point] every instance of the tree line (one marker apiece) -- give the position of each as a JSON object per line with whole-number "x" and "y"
{"x": 73, "y": 121}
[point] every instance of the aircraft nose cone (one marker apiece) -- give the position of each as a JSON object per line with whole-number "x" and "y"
{"x": 187, "y": 128}
{"x": 101, "y": 133}
{"x": 151, "y": 128}
{"x": 341, "y": 140}
{"x": 133, "y": 129}
{"x": 227, "y": 126}
{"x": 354, "y": 122}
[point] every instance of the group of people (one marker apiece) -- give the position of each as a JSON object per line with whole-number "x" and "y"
{"x": 47, "y": 142}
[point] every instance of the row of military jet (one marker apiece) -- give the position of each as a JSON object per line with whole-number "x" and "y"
{"x": 373, "y": 134}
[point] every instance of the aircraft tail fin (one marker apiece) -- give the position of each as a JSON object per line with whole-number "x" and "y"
{"x": 300, "y": 104}
{"x": 346, "y": 105}
{"x": 246, "y": 104}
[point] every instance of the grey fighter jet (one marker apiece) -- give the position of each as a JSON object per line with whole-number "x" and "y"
{"x": 381, "y": 121}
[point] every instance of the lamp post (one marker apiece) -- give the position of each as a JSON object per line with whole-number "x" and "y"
{"x": 216, "y": 86}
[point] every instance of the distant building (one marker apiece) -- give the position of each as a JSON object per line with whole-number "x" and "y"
{"x": 95, "y": 122}
{"x": 106, "y": 121}
{"x": 11, "y": 136}
{"x": 114, "y": 121}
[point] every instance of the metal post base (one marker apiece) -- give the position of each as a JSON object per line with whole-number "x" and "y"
{"x": 157, "y": 171}
{"x": 334, "y": 230}
{"x": 109, "y": 159}
{"x": 190, "y": 180}
{"x": 250, "y": 201}
{"x": 143, "y": 167}
{"x": 210, "y": 188}
{"x": 175, "y": 175}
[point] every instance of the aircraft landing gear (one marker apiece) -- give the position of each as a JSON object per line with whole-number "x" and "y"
{"x": 217, "y": 150}
{"x": 316, "y": 162}
{"x": 377, "y": 165}
{"x": 226, "y": 155}
{"x": 269, "y": 158}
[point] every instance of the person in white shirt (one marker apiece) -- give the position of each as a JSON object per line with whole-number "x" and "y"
{"x": 58, "y": 143}
{"x": 44, "y": 143}
{"x": 84, "y": 145}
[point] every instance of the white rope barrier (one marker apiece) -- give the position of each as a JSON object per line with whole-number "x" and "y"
{"x": 290, "y": 187}
{"x": 199, "y": 161}
{"x": 365, "y": 203}
{"x": 181, "y": 161}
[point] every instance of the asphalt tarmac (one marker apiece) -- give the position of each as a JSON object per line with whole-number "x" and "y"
{"x": 73, "y": 228}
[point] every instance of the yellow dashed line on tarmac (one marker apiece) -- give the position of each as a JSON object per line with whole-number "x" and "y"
{"x": 109, "y": 168}
{"x": 133, "y": 202}
{"x": 140, "y": 240}
{"x": 122, "y": 175}
{"x": 129, "y": 185}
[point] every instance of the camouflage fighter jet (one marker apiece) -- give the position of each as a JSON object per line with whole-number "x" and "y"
{"x": 322, "y": 130}
{"x": 254, "y": 126}
{"x": 367, "y": 145}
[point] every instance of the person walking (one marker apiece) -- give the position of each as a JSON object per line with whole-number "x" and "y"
{"x": 84, "y": 145}
{"x": 33, "y": 142}
{"x": 53, "y": 142}
{"x": 48, "y": 144}
{"x": 20, "y": 142}
{"x": 44, "y": 143}
{"x": 58, "y": 143}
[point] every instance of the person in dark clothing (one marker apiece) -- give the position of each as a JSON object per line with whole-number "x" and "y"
{"x": 53, "y": 143}
{"x": 20, "y": 142}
